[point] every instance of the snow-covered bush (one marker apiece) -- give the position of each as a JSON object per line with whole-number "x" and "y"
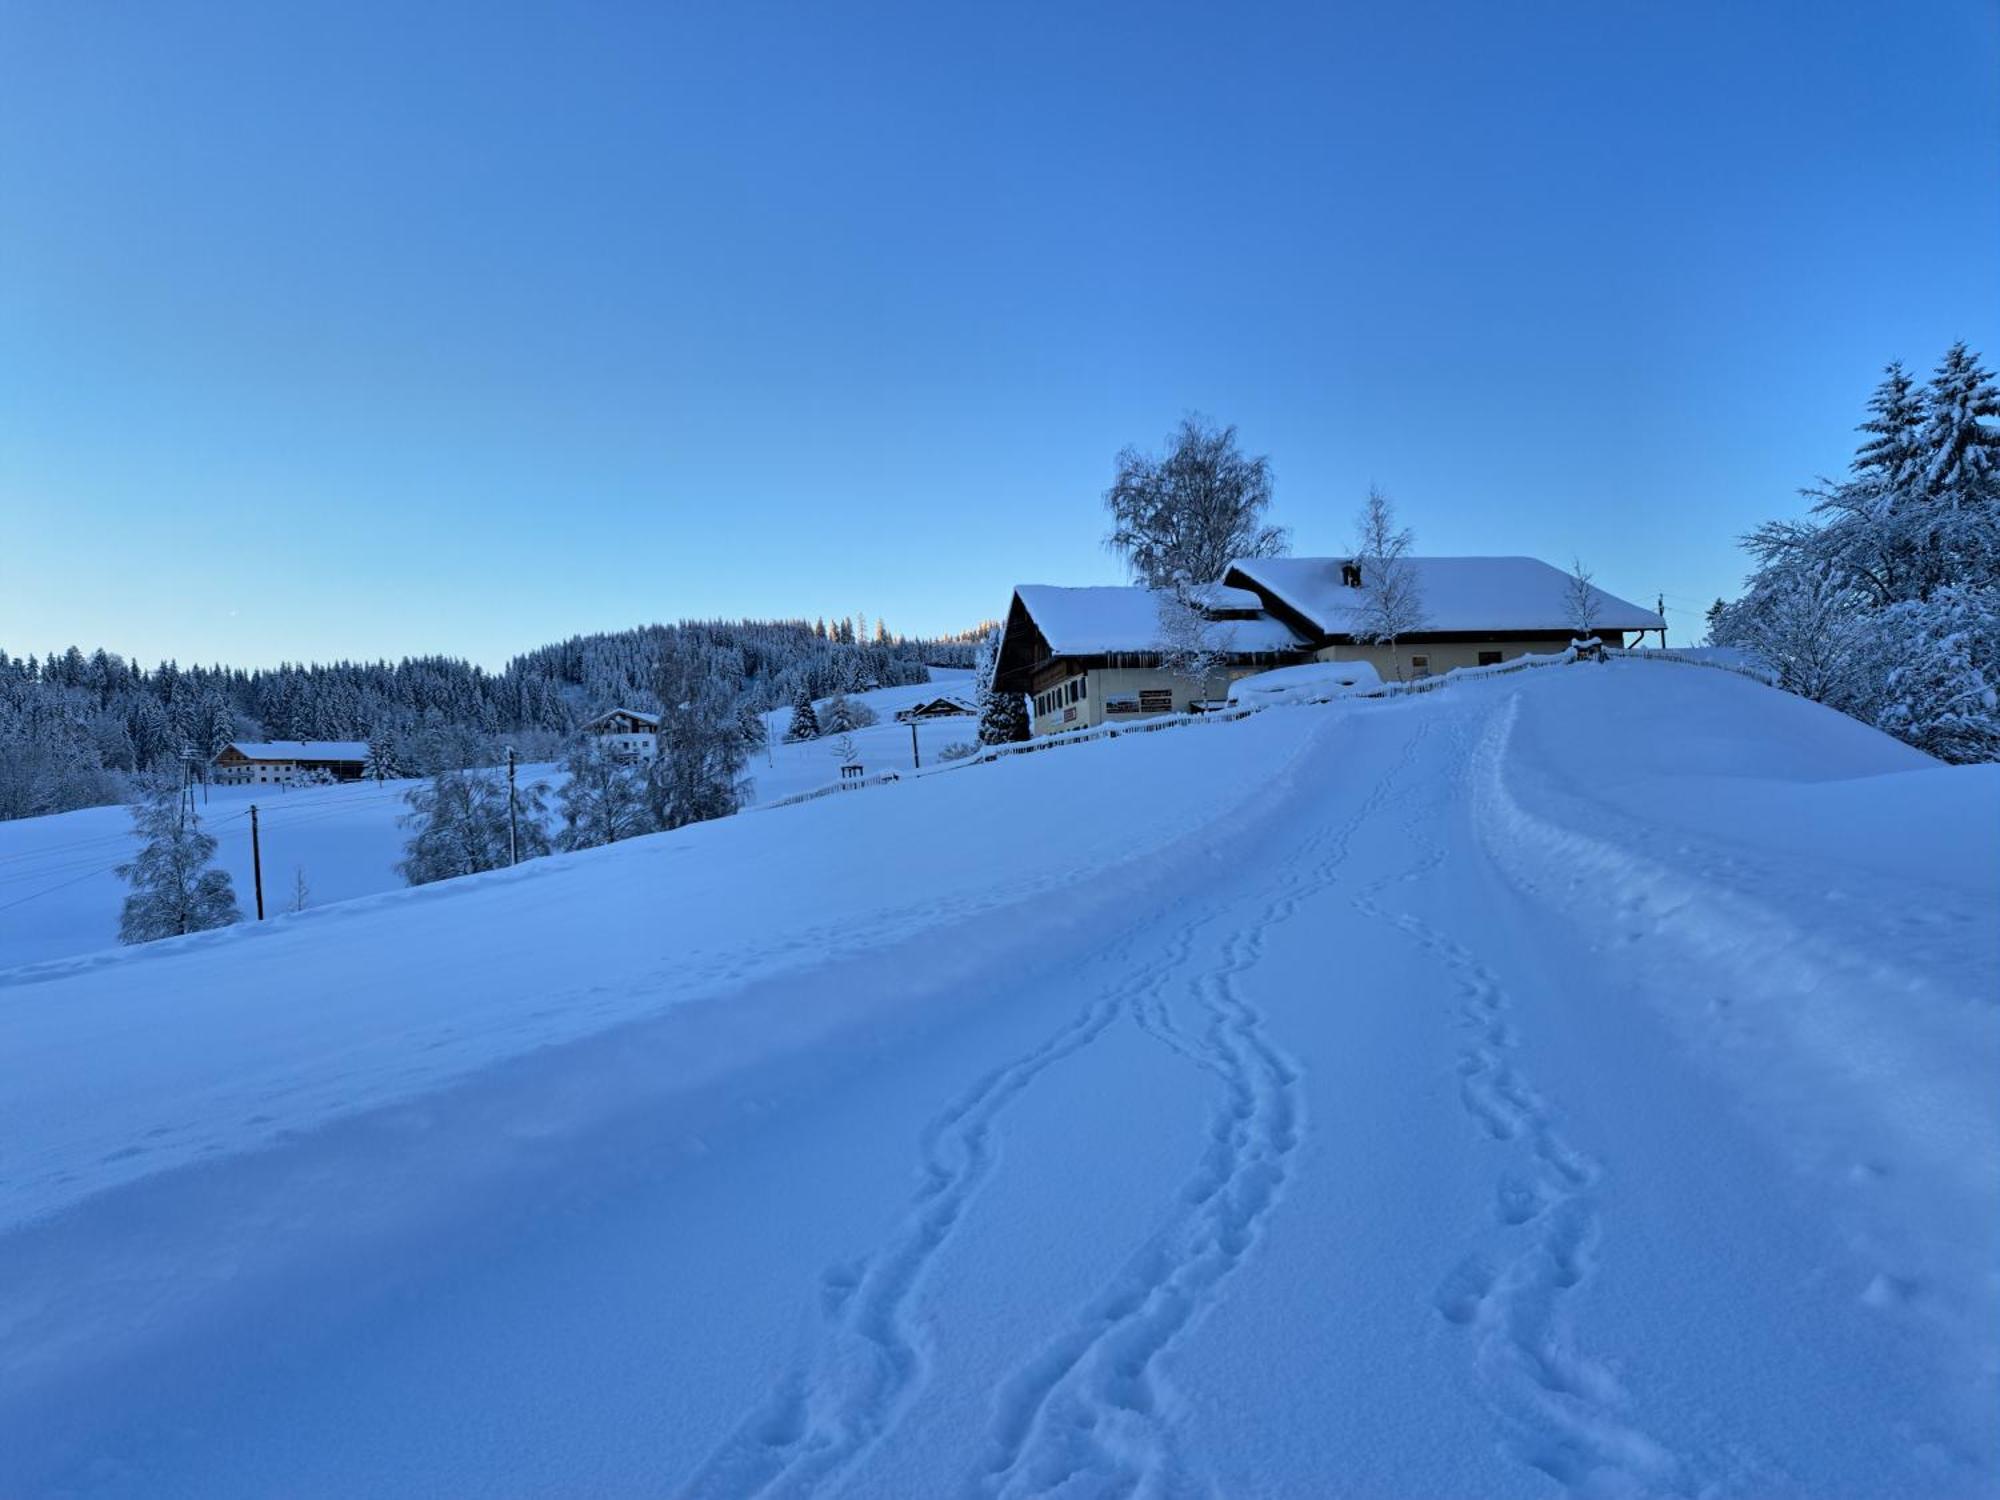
{"x": 1936, "y": 668}
{"x": 604, "y": 799}
{"x": 461, "y": 826}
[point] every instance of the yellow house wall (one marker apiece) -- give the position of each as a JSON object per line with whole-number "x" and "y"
{"x": 1443, "y": 656}
{"x": 1105, "y": 683}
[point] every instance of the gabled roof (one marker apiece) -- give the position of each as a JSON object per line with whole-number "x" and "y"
{"x": 1460, "y": 594}
{"x": 650, "y": 720}
{"x": 1220, "y": 598}
{"x": 1045, "y": 621}
{"x": 1101, "y": 621}
{"x": 300, "y": 749}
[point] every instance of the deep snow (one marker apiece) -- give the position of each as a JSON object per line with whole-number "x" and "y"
{"x": 60, "y": 894}
{"x": 1523, "y": 1088}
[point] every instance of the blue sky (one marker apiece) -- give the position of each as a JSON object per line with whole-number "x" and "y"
{"x": 369, "y": 329}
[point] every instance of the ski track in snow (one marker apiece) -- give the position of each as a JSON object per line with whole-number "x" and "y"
{"x": 869, "y": 1360}
{"x": 1560, "y": 1408}
{"x": 1088, "y": 1404}
{"x": 1088, "y": 1415}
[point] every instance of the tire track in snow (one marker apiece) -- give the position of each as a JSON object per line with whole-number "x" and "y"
{"x": 1088, "y": 1415}
{"x": 1561, "y": 1409}
{"x": 868, "y": 1359}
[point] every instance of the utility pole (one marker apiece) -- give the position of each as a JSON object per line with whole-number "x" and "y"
{"x": 916, "y": 759}
{"x": 513, "y": 819}
{"x": 1663, "y": 620}
{"x": 256, "y": 862}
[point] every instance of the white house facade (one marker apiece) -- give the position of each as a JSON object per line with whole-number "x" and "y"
{"x": 287, "y": 762}
{"x": 627, "y": 733}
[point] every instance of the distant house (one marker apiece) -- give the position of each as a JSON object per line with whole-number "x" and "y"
{"x": 629, "y": 734}
{"x": 945, "y": 707}
{"x": 249, "y": 762}
{"x": 1089, "y": 656}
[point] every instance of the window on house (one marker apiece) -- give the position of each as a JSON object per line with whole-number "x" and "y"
{"x": 1420, "y": 665}
{"x": 1489, "y": 658}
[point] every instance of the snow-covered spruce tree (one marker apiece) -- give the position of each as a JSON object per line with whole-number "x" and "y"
{"x": 1961, "y": 444}
{"x": 1877, "y": 603}
{"x": 1182, "y": 518}
{"x": 839, "y": 716}
{"x": 460, "y": 825}
{"x": 604, "y": 799}
{"x": 1392, "y": 604}
{"x": 175, "y": 887}
{"x": 805, "y": 721}
{"x": 213, "y": 728}
{"x": 750, "y": 725}
{"x": 381, "y": 765}
{"x": 698, "y": 773}
{"x": 1003, "y": 717}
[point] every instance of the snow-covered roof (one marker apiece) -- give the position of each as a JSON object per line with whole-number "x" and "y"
{"x": 643, "y": 718}
{"x": 301, "y": 749}
{"x": 1220, "y": 597}
{"x": 1459, "y": 594}
{"x": 1103, "y": 620}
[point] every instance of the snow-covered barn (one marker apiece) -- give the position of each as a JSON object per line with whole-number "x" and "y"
{"x": 629, "y": 734}
{"x": 248, "y": 762}
{"x": 1087, "y": 656}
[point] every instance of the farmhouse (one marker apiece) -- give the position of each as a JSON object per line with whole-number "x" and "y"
{"x": 1476, "y": 610}
{"x": 629, "y": 734}
{"x": 1088, "y": 656}
{"x": 945, "y": 707}
{"x": 249, "y": 762}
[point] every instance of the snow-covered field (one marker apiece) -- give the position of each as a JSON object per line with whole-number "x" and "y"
{"x": 1579, "y": 1081}
{"x": 60, "y": 895}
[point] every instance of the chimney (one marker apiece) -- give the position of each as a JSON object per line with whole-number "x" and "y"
{"x": 1350, "y": 574}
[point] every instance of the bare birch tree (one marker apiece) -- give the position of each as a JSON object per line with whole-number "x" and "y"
{"x": 1392, "y": 602}
{"x": 1580, "y": 601}
{"x": 1192, "y": 647}
{"x": 1183, "y": 518}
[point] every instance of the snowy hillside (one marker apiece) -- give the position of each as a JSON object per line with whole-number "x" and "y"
{"x": 60, "y": 895}
{"x": 1580, "y": 1081}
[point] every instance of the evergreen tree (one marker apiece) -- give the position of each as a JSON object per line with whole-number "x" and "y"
{"x": 1894, "y": 450}
{"x": 1961, "y": 447}
{"x": 381, "y": 757}
{"x": 1003, "y": 716}
{"x": 604, "y": 799}
{"x": 175, "y": 887}
{"x": 839, "y": 716}
{"x": 698, "y": 773}
{"x": 805, "y": 722}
